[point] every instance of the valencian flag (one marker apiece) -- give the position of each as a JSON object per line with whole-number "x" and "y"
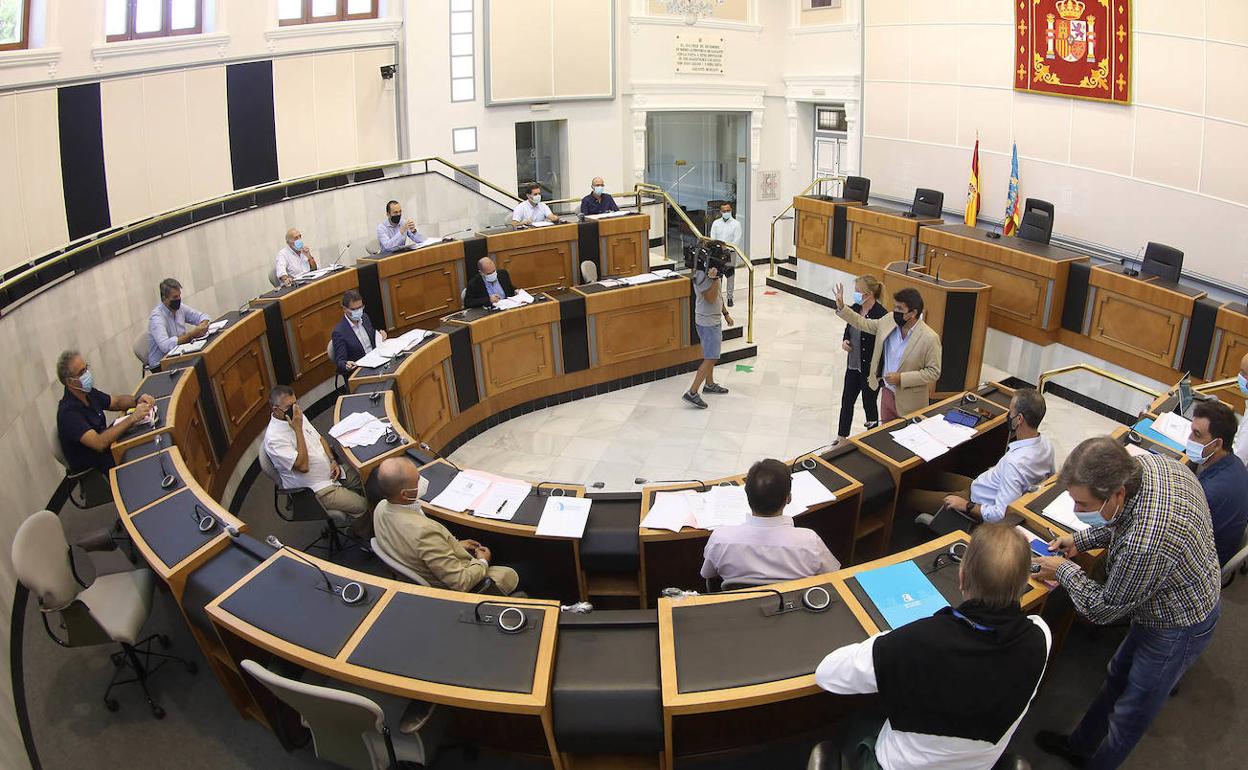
{"x": 972, "y": 190}
{"x": 1012, "y": 214}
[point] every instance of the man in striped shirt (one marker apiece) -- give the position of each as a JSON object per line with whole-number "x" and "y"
{"x": 1161, "y": 572}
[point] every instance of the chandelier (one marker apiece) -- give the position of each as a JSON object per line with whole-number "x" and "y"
{"x": 692, "y": 10}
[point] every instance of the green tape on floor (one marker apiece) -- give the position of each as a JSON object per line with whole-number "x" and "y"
{"x": 744, "y": 368}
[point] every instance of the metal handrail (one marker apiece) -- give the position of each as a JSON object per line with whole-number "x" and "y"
{"x": 110, "y": 234}
{"x": 1210, "y": 387}
{"x": 658, "y": 192}
{"x": 814, "y": 183}
{"x": 1046, "y": 376}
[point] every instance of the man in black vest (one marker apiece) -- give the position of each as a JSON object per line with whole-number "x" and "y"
{"x": 953, "y": 686}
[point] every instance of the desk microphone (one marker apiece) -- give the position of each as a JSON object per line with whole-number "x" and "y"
{"x": 702, "y": 485}
{"x": 938, "y": 273}
{"x": 208, "y": 520}
{"x": 554, "y": 490}
{"x": 448, "y": 237}
{"x": 169, "y": 481}
{"x": 426, "y": 448}
{"x": 350, "y": 593}
{"x": 815, "y": 598}
{"x": 809, "y": 463}
{"x": 510, "y": 619}
{"x": 338, "y": 259}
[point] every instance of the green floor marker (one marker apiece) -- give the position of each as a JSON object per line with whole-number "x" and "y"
{"x": 744, "y": 368}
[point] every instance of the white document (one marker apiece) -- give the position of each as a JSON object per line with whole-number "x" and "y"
{"x": 724, "y": 506}
{"x": 808, "y": 491}
{"x": 673, "y": 510}
{"x": 462, "y": 492}
{"x": 637, "y": 280}
{"x": 663, "y": 273}
{"x": 1175, "y": 427}
{"x": 1062, "y": 510}
{"x": 520, "y": 299}
{"x": 430, "y": 240}
{"x": 358, "y": 429}
{"x": 502, "y": 500}
{"x": 946, "y": 432}
{"x": 920, "y": 442}
{"x": 409, "y": 340}
{"x": 564, "y": 517}
{"x": 194, "y": 346}
{"x": 1136, "y": 451}
{"x": 542, "y": 223}
{"x": 372, "y": 359}
{"x": 608, "y": 215}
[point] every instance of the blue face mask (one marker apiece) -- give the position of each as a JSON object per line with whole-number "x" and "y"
{"x": 855, "y": 298}
{"x": 86, "y": 381}
{"x": 297, "y": 245}
{"x": 1196, "y": 451}
{"x": 1093, "y": 518}
{"x": 1243, "y": 384}
{"x": 599, "y": 189}
{"x": 726, "y": 215}
{"x": 357, "y": 315}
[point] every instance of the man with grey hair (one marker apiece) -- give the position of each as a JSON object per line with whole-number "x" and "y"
{"x": 302, "y": 458}
{"x": 1162, "y": 573}
{"x": 171, "y": 323}
{"x": 294, "y": 259}
{"x": 84, "y": 432}
{"x": 958, "y": 502}
{"x": 599, "y": 201}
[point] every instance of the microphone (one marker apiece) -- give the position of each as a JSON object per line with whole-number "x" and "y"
{"x": 169, "y": 481}
{"x": 207, "y": 520}
{"x": 554, "y": 491}
{"x": 814, "y": 598}
{"x": 809, "y": 464}
{"x": 938, "y": 273}
{"x": 448, "y": 237}
{"x": 350, "y": 593}
{"x": 702, "y": 485}
{"x": 426, "y": 448}
{"x": 338, "y": 259}
{"x": 510, "y": 620}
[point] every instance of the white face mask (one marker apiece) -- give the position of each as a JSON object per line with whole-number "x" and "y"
{"x": 726, "y": 215}
{"x": 536, "y": 198}
{"x": 1196, "y": 451}
{"x": 421, "y": 488}
{"x": 489, "y": 276}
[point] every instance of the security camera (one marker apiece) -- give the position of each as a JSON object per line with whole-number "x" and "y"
{"x": 388, "y": 70}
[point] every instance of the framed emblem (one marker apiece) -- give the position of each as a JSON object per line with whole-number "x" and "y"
{"x": 1074, "y": 48}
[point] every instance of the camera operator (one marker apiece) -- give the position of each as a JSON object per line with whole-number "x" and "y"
{"x": 708, "y": 308}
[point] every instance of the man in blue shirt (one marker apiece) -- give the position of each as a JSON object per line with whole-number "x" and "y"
{"x": 394, "y": 234}
{"x": 1221, "y": 475}
{"x": 171, "y": 323}
{"x": 599, "y": 201}
{"x": 81, "y": 426}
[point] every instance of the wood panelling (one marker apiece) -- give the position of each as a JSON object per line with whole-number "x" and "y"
{"x": 428, "y": 405}
{"x": 626, "y": 253}
{"x": 812, "y": 231}
{"x": 517, "y": 358}
{"x": 537, "y": 268}
{"x": 242, "y": 386}
{"x": 1233, "y": 344}
{"x": 1015, "y": 293}
{"x": 877, "y": 249}
{"x": 1137, "y": 317}
{"x": 423, "y": 294}
{"x": 310, "y": 330}
{"x": 634, "y": 332}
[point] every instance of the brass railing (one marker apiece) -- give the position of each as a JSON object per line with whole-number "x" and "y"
{"x": 814, "y": 183}
{"x": 655, "y": 191}
{"x": 1046, "y": 376}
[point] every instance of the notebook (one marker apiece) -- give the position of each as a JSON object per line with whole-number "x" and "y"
{"x": 901, "y": 592}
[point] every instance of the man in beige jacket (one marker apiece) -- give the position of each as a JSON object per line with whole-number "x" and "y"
{"x": 425, "y": 545}
{"x": 907, "y": 361}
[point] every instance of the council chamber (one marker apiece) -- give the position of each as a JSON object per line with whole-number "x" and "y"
{"x": 619, "y": 384}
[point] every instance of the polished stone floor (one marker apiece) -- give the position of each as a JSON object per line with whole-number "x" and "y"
{"x": 782, "y": 403}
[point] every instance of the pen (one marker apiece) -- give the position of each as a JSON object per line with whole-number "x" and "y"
{"x": 500, "y": 507}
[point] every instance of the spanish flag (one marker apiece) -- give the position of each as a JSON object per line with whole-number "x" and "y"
{"x": 972, "y": 190}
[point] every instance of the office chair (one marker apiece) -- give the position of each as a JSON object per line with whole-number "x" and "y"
{"x": 857, "y": 188}
{"x": 463, "y": 294}
{"x": 373, "y": 247}
{"x": 352, "y": 730}
{"x": 589, "y": 271}
{"x": 329, "y": 353}
{"x": 927, "y": 203}
{"x": 1165, "y": 262}
{"x": 141, "y": 346}
{"x": 945, "y": 520}
{"x": 273, "y": 277}
{"x": 401, "y": 570}
{"x": 1037, "y": 224}
{"x": 827, "y": 755}
{"x": 1237, "y": 563}
{"x": 302, "y": 504}
{"x": 112, "y": 609}
{"x": 91, "y": 485}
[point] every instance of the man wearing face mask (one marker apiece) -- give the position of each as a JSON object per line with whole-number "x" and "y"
{"x": 1162, "y": 573}
{"x": 354, "y": 335}
{"x": 171, "y": 323}
{"x": 728, "y": 230}
{"x": 908, "y": 360}
{"x": 1241, "y": 435}
{"x": 424, "y": 545}
{"x": 394, "y": 234}
{"x": 489, "y": 285}
{"x": 962, "y": 503}
{"x": 294, "y": 259}
{"x": 85, "y": 434}
{"x": 302, "y": 458}
{"x": 1220, "y": 473}
{"x": 599, "y": 201}
{"x": 531, "y": 209}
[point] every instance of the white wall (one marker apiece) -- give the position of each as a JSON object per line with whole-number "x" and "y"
{"x": 1169, "y": 168}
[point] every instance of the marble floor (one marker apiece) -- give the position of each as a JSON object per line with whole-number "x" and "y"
{"x": 782, "y": 403}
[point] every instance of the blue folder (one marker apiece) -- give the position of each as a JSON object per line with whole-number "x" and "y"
{"x": 1145, "y": 428}
{"x": 901, "y": 592}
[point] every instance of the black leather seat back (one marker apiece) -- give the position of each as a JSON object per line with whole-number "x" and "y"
{"x": 857, "y": 188}
{"x": 928, "y": 203}
{"x": 1037, "y": 224}
{"x": 1165, "y": 262}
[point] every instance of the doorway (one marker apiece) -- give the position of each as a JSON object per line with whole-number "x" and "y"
{"x": 542, "y": 156}
{"x": 702, "y": 159}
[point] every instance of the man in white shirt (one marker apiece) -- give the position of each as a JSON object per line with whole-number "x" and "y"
{"x": 394, "y": 234}
{"x": 171, "y": 323}
{"x": 1241, "y": 435}
{"x": 728, "y": 230}
{"x": 531, "y": 209}
{"x": 302, "y": 458}
{"x": 294, "y": 259}
{"x": 961, "y": 503}
{"x": 767, "y": 548}
{"x": 954, "y": 686}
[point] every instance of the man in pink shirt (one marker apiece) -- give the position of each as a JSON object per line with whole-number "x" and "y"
{"x": 767, "y": 548}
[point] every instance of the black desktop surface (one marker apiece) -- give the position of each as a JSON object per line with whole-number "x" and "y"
{"x": 171, "y": 527}
{"x": 139, "y": 482}
{"x": 160, "y": 385}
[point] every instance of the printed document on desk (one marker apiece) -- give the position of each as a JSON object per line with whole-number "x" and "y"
{"x": 901, "y": 592}
{"x": 608, "y": 215}
{"x": 920, "y": 442}
{"x": 564, "y": 517}
{"x": 1175, "y": 427}
{"x": 946, "y": 432}
{"x": 1062, "y": 510}
{"x": 464, "y": 490}
{"x": 372, "y": 359}
{"x": 725, "y": 506}
{"x": 502, "y": 499}
{"x": 673, "y": 511}
{"x": 807, "y": 492}
{"x": 194, "y": 346}
{"x": 520, "y": 299}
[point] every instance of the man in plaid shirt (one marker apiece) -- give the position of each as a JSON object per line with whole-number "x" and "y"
{"x": 1161, "y": 572}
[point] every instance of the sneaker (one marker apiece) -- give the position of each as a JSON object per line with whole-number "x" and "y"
{"x": 870, "y": 425}
{"x": 1058, "y": 745}
{"x": 714, "y": 387}
{"x": 730, "y": 302}
{"x": 694, "y": 399}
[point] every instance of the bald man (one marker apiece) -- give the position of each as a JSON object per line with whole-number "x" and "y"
{"x": 424, "y": 545}
{"x": 294, "y": 259}
{"x": 599, "y": 201}
{"x": 489, "y": 285}
{"x": 1241, "y": 436}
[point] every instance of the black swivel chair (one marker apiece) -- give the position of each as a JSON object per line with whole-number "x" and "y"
{"x": 857, "y": 188}
{"x": 1165, "y": 262}
{"x": 1037, "y": 224}
{"x": 927, "y": 203}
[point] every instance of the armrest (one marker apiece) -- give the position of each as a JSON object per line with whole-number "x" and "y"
{"x": 488, "y": 587}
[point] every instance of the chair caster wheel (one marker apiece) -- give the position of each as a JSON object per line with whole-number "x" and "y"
{"x": 192, "y": 667}
{"x": 164, "y": 642}
{"x": 111, "y": 704}
{"x": 158, "y": 712}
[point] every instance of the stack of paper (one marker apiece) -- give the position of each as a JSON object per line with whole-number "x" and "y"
{"x": 520, "y": 299}
{"x": 564, "y": 517}
{"x": 608, "y": 214}
{"x": 673, "y": 510}
{"x": 725, "y": 506}
{"x": 1175, "y": 427}
{"x": 358, "y": 429}
{"x": 948, "y": 433}
{"x": 637, "y": 280}
{"x": 920, "y": 442}
{"x": 372, "y": 359}
{"x": 502, "y": 499}
{"x": 663, "y": 273}
{"x": 462, "y": 492}
{"x": 808, "y": 491}
{"x": 409, "y": 340}
{"x": 217, "y": 326}
{"x": 1062, "y": 510}
{"x": 312, "y": 275}
{"x": 542, "y": 223}
{"x": 194, "y": 346}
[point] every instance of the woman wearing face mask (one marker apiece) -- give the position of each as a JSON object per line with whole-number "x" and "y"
{"x": 531, "y": 209}
{"x": 1162, "y": 574}
{"x": 1240, "y": 447}
{"x": 354, "y": 335}
{"x": 860, "y": 345}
